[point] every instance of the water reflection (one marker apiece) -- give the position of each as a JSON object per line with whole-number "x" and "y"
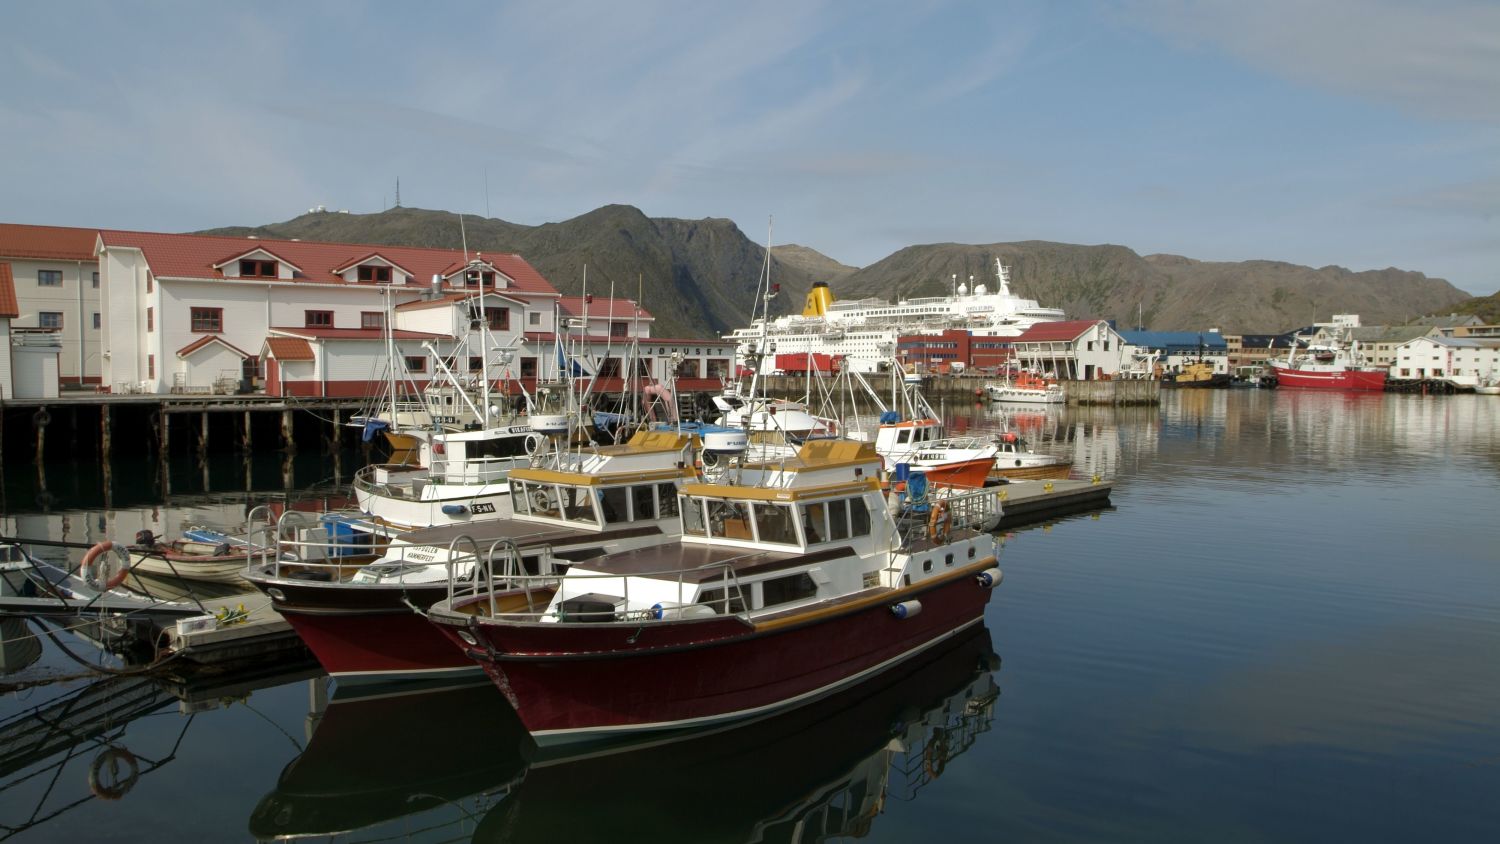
{"x": 437, "y": 761}
{"x": 76, "y": 747}
{"x": 825, "y": 770}
{"x": 441, "y": 754}
{"x": 19, "y": 647}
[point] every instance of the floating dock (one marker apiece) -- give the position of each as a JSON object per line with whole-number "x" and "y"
{"x": 1025, "y": 502}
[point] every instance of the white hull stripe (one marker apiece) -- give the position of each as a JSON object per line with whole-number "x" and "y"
{"x": 376, "y": 676}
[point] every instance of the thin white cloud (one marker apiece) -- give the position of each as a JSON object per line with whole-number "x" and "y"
{"x": 1439, "y": 58}
{"x": 1479, "y": 199}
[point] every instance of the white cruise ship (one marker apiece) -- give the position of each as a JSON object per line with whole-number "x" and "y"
{"x": 864, "y": 331}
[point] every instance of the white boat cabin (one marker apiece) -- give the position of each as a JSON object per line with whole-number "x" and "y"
{"x": 605, "y": 486}
{"x": 774, "y": 537}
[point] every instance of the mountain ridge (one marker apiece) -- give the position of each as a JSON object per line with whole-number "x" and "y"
{"x": 699, "y": 277}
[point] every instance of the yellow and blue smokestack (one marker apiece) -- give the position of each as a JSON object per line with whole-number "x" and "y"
{"x": 818, "y": 299}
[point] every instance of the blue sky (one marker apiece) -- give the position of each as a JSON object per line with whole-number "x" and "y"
{"x": 1363, "y": 134}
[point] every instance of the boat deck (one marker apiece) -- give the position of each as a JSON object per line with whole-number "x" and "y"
{"x": 699, "y": 563}
{"x": 523, "y": 533}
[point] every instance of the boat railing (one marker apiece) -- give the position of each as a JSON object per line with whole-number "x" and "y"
{"x": 478, "y": 470}
{"x": 733, "y": 598}
{"x": 944, "y": 510}
{"x": 298, "y": 543}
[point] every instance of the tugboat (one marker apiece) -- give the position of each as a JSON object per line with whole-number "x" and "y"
{"x": 792, "y": 581}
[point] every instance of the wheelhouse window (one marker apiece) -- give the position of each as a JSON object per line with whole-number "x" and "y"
{"x": 318, "y": 319}
{"x": 728, "y": 601}
{"x": 207, "y": 320}
{"x": 614, "y": 505}
{"x": 729, "y": 519}
{"x": 859, "y": 517}
{"x": 666, "y": 496}
{"x": 578, "y": 505}
{"x": 520, "y": 502}
{"x": 642, "y": 504}
{"x": 784, "y": 590}
{"x": 692, "y": 516}
{"x": 378, "y": 274}
{"x": 838, "y": 520}
{"x": 814, "y": 522}
{"x": 257, "y": 269}
{"x": 371, "y": 319}
{"x": 775, "y": 523}
{"x": 49, "y": 278}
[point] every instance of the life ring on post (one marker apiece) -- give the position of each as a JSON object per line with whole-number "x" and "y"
{"x": 939, "y": 523}
{"x": 92, "y": 568}
{"x": 115, "y": 786}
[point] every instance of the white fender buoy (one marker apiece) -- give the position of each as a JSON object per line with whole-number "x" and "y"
{"x": 906, "y": 609}
{"x": 990, "y": 578}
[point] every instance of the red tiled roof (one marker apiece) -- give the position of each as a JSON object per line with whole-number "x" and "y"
{"x": 61, "y": 243}
{"x": 601, "y": 307}
{"x": 204, "y": 341}
{"x": 357, "y": 334}
{"x": 357, "y": 261}
{"x": 449, "y": 298}
{"x": 1045, "y": 332}
{"x": 9, "y": 307}
{"x": 289, "y": 348}
{"x": 194, "y": 256}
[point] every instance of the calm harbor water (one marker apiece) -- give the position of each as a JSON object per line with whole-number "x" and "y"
{"x": 1287, "y": 627}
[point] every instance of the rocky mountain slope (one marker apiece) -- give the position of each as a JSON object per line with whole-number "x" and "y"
{"x": 698, "y": 277}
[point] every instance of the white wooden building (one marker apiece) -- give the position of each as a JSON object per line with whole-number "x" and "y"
{"x": 1462, "y": 360}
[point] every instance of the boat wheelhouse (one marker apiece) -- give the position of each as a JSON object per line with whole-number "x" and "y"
{"x": 461, "y": 477}
{"x": 792, "y": 580}
{"x": 576, "y": 504}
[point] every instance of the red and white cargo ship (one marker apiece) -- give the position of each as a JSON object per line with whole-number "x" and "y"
{"x": 1330, "y": 366}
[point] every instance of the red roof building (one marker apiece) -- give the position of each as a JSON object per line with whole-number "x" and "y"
{"x": 9, "y": 308}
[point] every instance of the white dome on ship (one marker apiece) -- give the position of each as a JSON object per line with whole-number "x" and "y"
{"x": 981, "y": 290}
{"x": 963, "y": 290}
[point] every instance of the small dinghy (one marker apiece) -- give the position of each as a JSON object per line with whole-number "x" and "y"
{"x": 200, "y": 554}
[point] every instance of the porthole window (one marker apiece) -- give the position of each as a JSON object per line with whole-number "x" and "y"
{"x": 926, "y": 565}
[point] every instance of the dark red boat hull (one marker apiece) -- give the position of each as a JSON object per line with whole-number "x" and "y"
{"x": 587, "y": 682}
{"x": 377, "y": 647}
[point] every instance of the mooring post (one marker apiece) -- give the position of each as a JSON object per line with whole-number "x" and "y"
{"x": 40, "y": 420}
{"x": 245, "y": 436}
{"x": 104, "y": 450}
{"x": 286, "y": 432}
{"x": 203, "y": 439}
{"x": 286, "y": 471}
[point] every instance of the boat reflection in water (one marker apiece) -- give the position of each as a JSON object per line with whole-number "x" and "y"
{"x": 819, "y": 771}
{"x": 374, "y": 758}
{"x": 435, "y": 761}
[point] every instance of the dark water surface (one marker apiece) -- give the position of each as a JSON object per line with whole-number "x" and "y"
{"x": 1286, "y": 628}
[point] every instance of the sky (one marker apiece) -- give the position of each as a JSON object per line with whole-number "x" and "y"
{"x": 1363, "y": 134}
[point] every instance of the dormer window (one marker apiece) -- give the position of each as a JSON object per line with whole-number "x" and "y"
{"x": 476, "y": 278}
{"x": 377, "y": 274}
{"x": 257, "y": 269}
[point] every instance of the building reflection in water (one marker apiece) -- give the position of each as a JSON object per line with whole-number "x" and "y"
{"x": 436, "y": 761}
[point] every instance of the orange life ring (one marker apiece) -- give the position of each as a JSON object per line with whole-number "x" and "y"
{"x": 114, "y": 786}
{"x": 91, "y": 556}
{"x": 939, "y": 522}
{"x": 935, "y": 755}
